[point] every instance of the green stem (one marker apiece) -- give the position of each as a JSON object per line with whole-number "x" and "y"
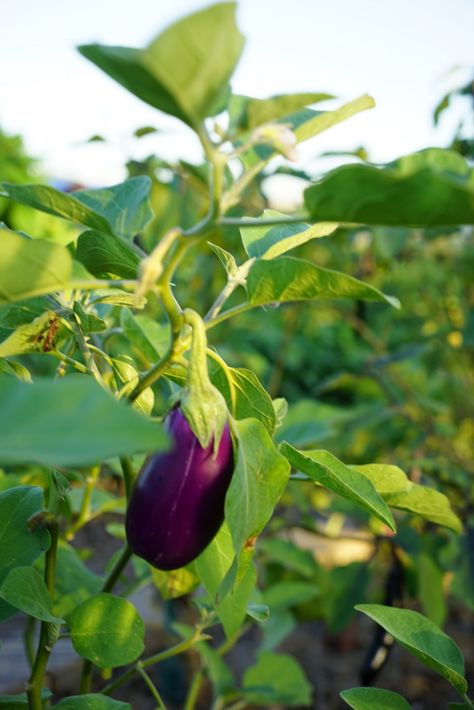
{"x": 85, "y": 510}
{"x": 35, "y": 683}
{"x": 28, "y": 640}
{"x": 238, "y": 279}
{"x": 230, "y": 313}
{"x": 109, "y": 583}
{"x": 151, "y": 686}
{"x": 69, "y": 361}
{"x": 153, "y": 660}
{"x": 251, "y": 222}
{"x": 194, "y": 690}
{"x": 128, "y": 474}
{"x": 466, "y": 699}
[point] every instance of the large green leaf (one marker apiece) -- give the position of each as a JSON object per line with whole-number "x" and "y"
{"x": 74, "y": 582}
{"x": 107, "y": 630}
{"x": 92, "y": 701}
{"x": 324, "y": 468}
{"x": 423, "y": 639}
{"x": 126, "y": 206}
{"x": 18, "y": 546}
{"x": 25, "y": 589}
{"x": 259, "y": 479}
{"x": 268, "y": 242}
{"x": 31, "y": 267}
{"x": 432, "y": 187}
{"x": 374, "y": 699}
{"x": 104, "y": 255}
{"x": 245, "y": 396}
{"x": 246, "y": 112}
{"x": 399, "y": 492}
{"x": 212, "y": 567}
{"x": 184, "y": 71}
{"x": 48, "y": 199}
{"x": 70, "y": 422}
{"x": 276, "y": 678}
{"x": 289, "y": 279}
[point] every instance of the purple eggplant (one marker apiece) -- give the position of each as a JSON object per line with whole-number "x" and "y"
{"x": 177, "y": 504}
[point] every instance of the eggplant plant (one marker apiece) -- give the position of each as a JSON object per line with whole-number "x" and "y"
{"x": 120, "y": 404}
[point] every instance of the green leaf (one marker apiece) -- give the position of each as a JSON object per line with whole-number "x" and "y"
{"x": 246, "y": 112}
{"x": 174, "y": 584}
{"x": 31, "y": 267}
{"x": 15, "y": 369}
{"x": 150, "y": 338}
{"x": 374, "y": 699}
{"x": 399, "y": 492}
{"x": 307, "y": 124}
{"x": 289, "y": 593}
{"x": 276, "y": 629}
{"x": 48, "y": 199}
{"x": 431, "y": 187}
{"x": 68, "y": 423}
{"x": 18, "y": 546}
{"x": 289, "y": 555}
{"x": 125, "y": 206}
{"x": 25, "y": 589}
{"x": 38, "y": 336}
{"x": 430, "y": 588}
{"x": 289, "y": 279}
{"x": 128, "y": 376}
{"x": 259, "y": 479}
{"x": 74, "y": 582}
{"x": 185, "y": 71}
{"x": 91, "y": 701}
{"x": 220, "y": 675}
{"x": 269, "y": 242}
{"x": 325, "y": 469}
{"x": 226, "y": 259}
{"x": 88, "y": 321}
{"x": 245, "y": 395}
{"x": 107, "y": 630}
{"x": 423, "y": 639}
{"x": 104, "y": 255}
{"x": 213, "y": 566}
{"x": 276, "y": 678}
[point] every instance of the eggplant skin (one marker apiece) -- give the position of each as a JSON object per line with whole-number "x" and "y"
{"x": 177, "y": 503}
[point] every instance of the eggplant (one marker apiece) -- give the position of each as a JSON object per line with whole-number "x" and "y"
{"x": 177, "y": 503}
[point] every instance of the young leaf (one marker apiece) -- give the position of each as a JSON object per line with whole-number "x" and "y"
{"x": 399, "y": 492}
{"x": 125, "y": 206}
{"x": 18, "y": 546}
{"x": 31, "y": 267}
{"x": 289, "y": 279}
{"x": 48, "y": 199}
{"x": 259, "y": 479}
{"x": 374, "y": 699}
{"x": 423, "y": 639}
{"x": 269, "y": 242}
{"x": 324, "y": 468}
{"x": 68, "y": 423}
{"x": 91, "y": 701}
{"x": 38, "y": 336}
{"x": 245, "y": 396}
{"x": 107, "y": 630}
{"x": 25, "y": 589}
{"x": 276, "y": 678}
{"x": 104, "y": 255}
{"x": 185, "y": 71}
{"x": 431, "y": 187}
{"x": 246, "y": 112}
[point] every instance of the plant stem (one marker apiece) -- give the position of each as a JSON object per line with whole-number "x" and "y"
{"x": 238, "y": 279}
{"x": 194, "y": 691}
{"x": 249, "y": 222}
{"x": 230, "y": 313}
{"x": 466, "y": 699}
{"x": 128, "y": 474}
{"x": 109, "y": 583}
{"x": 35, "y": 683}
{"x": 151, "y": 686}
{"x": 28, "y": 640}
{"x": 153, "y": 660}
{"x": 85, "y": 511}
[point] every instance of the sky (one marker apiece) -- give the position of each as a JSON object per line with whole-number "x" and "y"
{"x": 403, "y": 53}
